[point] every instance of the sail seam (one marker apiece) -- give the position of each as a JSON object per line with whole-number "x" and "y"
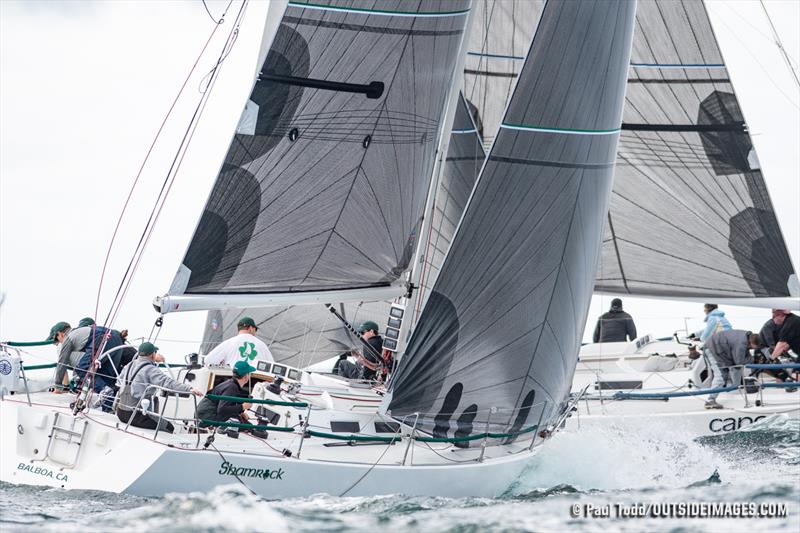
{"x": 381, "y": 12}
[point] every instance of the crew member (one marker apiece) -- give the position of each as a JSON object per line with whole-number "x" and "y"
{"x": 369, "y": 360}
{"x": 727, "y": 352}
{"x": 769, "y": 334}
{"x": 615, "y": 325}
{"x": 136, "y": 402}
{"x": 76, "y": 351}
{"x": 789, "y": 334}
{"x": 715, "y": 322}
{"x": 243, "y": 347}
{"x": 222, "y": 410}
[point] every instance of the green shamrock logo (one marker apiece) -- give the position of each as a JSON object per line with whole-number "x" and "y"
{"x": 248, "y": 351}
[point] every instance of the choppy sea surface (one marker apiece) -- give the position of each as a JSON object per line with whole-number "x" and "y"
{"x": 600, "y": 470}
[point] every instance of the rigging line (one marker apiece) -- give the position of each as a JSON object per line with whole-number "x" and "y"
{"x": 763, "y": 69}
{"x": 388, "y": 445}
{"x": 779, "y": 44}
{"x": 169, "y": 179}
{"x": 141, "y": 168}
{"x": 221, "y": 20}
{"x": 145, "y": 237}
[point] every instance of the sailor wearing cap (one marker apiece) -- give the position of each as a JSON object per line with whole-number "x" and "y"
{"x": 136, "y": 401}
{"x": 243, "y": 347}
{"x": 223, "y": 410}
{"x": 369, "y": 361}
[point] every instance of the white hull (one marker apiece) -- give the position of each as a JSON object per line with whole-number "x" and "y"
{"x": 606, "y": 369}
{"x": 684, "y": 416}
{"x": 113, "y": 460}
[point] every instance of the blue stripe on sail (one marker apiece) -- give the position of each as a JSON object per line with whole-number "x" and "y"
{"x": 568, "y": 131}
{"x": 472, "y": 130}
{"x": 381, "y": 12}
{"x": 677, "y": 65}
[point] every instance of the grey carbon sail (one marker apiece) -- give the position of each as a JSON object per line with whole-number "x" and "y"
{"x": 690, "y": 214}
{"x": 297, "y": 336}
{"x": 325, "y": 181}
{"x": 499, "y": 39}
{"x": 462, "y": 164}
{"x": 502, "y": 327}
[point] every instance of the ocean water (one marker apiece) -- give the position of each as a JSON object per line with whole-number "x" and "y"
{"x": 600, "y": 469}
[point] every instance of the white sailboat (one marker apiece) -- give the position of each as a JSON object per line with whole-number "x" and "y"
{"x": 319, "y": 200}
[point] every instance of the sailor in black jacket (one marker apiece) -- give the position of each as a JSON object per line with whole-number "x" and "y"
{"x": 223, "y": 410}
{"x": 615, "y": 325}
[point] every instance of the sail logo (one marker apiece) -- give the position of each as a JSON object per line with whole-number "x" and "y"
{"x": 41, "y": 471}
{"x": 5, "y": 367}
{"x": 248, "y": 351}
{"x": 262, "y": 473}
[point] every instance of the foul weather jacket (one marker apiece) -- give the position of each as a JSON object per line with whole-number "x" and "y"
{"x": 730, "y": 348}
{"x": 614, "y": 326}
{"x": 715, "y": 322}
{"x": 222, "y": 410}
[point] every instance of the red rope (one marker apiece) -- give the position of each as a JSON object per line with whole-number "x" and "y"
{"x": 141, "y": 168}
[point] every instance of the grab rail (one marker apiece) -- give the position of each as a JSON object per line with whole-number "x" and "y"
{"x": 246, "y": 426}
{"x": 240, "y": 399}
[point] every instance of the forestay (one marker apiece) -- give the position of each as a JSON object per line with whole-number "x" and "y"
{"x": 502, "y": 327}
{"x": 325, "y": 180}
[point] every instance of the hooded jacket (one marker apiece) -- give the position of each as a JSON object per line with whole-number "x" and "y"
{"x": 715, "y": 322}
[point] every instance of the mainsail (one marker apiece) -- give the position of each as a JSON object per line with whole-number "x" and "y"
{"x": 497, "y": 342}
{"x": 690, "y": 215}
{"x": 304, "y": 335}
{"x": 325, "y": 181}
{"x": 462, "y": 164}
{"x": 500, "y": 37}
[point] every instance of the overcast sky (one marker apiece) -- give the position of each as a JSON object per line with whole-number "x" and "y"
{"x": 85, "y": 85}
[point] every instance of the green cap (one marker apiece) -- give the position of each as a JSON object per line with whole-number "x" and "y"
{"x": 246, "y": 322}
{"x": 368, "y": 325}
{"x": 58, "y": 328}
{"x": 87, "y": 321}
{"x": 148, "y": 348}
{"x": 243, "y": 368}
